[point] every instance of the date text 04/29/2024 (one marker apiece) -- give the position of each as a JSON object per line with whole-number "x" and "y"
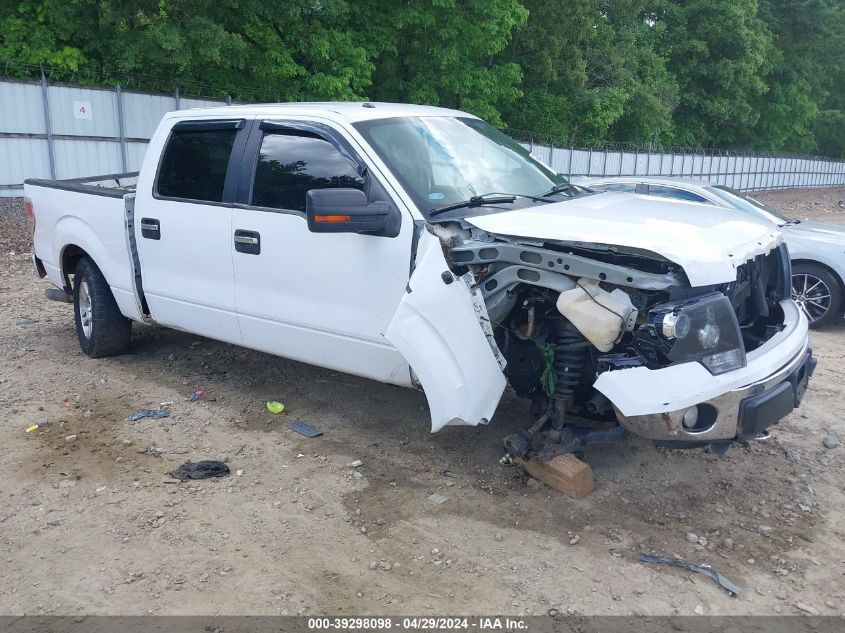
{"x": 417, "y": 623}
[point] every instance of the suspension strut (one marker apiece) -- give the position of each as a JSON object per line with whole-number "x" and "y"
{"x": 569, "y": 357}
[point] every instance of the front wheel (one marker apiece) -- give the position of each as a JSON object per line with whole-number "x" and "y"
{"x": 817, "y": 292}
{"x": 100, "y": 327}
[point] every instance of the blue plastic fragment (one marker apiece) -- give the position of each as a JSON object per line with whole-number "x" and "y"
{"x": 149, "y": 413}
{"x": 303, "y": 428}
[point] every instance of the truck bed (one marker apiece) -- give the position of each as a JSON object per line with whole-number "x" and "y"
{"x": 90, "y": 216}
{"x": 112, "y": 185}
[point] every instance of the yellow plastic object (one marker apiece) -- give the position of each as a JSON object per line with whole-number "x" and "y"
{"x": 275, "y": 407}
{"x": 32, "y": 428}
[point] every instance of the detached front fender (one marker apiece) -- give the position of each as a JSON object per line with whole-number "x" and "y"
{"x": 443, "y": 332}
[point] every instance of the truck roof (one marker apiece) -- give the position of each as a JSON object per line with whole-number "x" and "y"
{"x": 350, "y": 111}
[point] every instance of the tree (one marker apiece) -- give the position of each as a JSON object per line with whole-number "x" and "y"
{"x": 719, "y": 52}
{"x": 293, "y": 50}
{"x": 45, "y": 32}
{"x": 591, "y": 72}
{"x": 803, "y": 110}
{"x": 766, "y": 74}
{"x": 441, "y": 52}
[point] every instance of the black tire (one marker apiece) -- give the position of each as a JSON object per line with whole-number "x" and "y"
{"x": 817, "y": 292}
{"x": 101, "y": 329}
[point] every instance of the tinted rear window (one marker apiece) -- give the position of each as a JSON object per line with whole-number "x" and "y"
{"x": 194, "y": 164}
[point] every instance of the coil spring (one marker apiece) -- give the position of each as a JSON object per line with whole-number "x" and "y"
{"x": 570, "y": 353}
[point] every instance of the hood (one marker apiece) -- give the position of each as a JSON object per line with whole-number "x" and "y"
{"x": 816, "y": 231}
{"x": 708, "y": 242}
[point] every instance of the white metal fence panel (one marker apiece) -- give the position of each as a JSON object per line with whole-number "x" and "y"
{"x": 744, "y": 172}
{"x": 22, "y": 158}
{"x": 135, "y": 155}
{"x": 185, "y": 103}
{"x": 83, "y": 111}
{"x": 59, "y": 131}
{"x": 22, "y": 108}
{"x": 141, "y": 119}
{"x": 78, "y": 158}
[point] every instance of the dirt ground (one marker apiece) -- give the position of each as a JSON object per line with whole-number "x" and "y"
{"x": 91, "y": 525}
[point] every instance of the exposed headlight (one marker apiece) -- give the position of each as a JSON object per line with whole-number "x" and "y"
{"x": 702, "y": 329}
{"x": 709, "y": 335}
{"x": 675, "y": 325}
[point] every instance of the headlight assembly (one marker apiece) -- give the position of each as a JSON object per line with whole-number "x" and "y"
{"x": 674, "y": 325}
{"x": 702, "y": 329}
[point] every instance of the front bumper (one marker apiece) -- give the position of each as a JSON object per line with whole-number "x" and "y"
{"x": 741, "y": 403}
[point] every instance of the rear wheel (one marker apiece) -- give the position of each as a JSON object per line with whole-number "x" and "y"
{"x": 100, "y": 327}
{"x": 817, "y": 292}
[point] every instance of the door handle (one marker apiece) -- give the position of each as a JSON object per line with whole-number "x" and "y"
{"x": 248, "y": 242}
{"x": 150, "y": 228}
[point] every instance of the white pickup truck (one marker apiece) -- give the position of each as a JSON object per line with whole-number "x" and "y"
{"x": 421, "y": 247}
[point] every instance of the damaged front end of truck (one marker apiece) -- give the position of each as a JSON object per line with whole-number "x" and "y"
{"x": 604, "y": 339}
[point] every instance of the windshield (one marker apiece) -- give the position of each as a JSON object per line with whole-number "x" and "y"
{"x": 445, "y": 160}
{"x": 747, "y": 203}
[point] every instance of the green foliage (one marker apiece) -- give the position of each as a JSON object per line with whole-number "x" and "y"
{"x": 591, "y": 73}
{"x": 719, "y": 51}
{"x": 43, "y": 32}
{"x": 441, "y": 52}
{"x": 806, "y": 84}
{"x": 762, "y": 74}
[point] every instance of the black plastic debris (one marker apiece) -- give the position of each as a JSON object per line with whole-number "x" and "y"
{"x": 708, "y": 571}
{"x": 200, "y": 470}
{"x": 303, "y": 428}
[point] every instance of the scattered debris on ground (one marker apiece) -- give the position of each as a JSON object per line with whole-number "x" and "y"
{"x": 149, "y": 413}
{"x": 274, "y": 406}
{"x": 303, "y": 428}
{"x": 201, "y": 470}
{"x": 726, "y": 584}
{"x": 298, "y": 532}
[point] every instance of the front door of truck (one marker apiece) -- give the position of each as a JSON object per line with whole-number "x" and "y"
{"x": 183, "y": 230}
{"x": 322, "y": 298}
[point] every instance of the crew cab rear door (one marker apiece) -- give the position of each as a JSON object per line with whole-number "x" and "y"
{"x": 442, "y": 329}
{"x": 183, "y": 228}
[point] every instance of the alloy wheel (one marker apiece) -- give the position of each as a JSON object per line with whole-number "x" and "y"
{"x": 812, "y": 295}
{"x": 85, "y": 308}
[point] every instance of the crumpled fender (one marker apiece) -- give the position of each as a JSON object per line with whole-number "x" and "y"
{"x": 438, "y": 330}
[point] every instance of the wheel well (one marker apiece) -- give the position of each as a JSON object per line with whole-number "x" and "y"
{"x": 825, "y": 266}
{"x": 70, "y": 257}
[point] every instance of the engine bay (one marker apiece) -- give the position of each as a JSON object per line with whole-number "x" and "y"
{"x": 562, "y": 314}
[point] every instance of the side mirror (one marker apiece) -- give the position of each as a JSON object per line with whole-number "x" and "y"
{"x": 347, "y": 211}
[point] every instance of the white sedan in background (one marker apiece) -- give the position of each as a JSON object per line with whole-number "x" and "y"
{"x": 817, "y": 250}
